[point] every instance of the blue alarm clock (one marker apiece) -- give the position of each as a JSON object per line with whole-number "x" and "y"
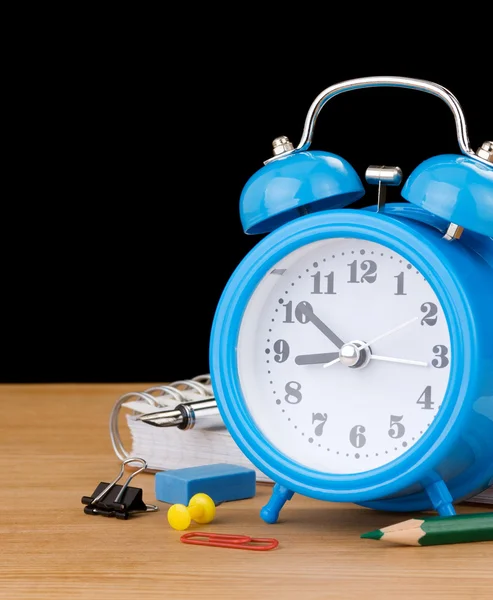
{"x": 351, "y": 351}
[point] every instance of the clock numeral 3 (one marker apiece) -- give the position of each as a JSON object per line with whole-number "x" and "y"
{"x": 319, "y": 429}
{"x": 397, "y": 429}
{"x": 292, "y": 390}
{"x": 356, "y": 437}
{"x": 281, "y": 349}
{"x": 431, "y": 316}
{"x": 442, "y": 360}
{"x": 370, "y": 272}
{"x": 329, "y": 283}
{"x": 426, "y": 399}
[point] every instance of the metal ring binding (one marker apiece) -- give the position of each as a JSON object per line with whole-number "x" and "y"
{"x": 149, "y": 395}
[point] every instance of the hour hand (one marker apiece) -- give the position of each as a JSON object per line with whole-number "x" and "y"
{"x": 316, "y": 359}
{"x": 307, "y": 311}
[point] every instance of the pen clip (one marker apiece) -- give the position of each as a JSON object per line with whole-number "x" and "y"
{"x": 229, "y": 540}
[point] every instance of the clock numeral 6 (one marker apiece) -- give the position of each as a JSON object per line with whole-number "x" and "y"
{"x": 281, "y": 349}
{"x": 397, "y": 429}
{"x": 356, "y": 437}
{"x": 292, "y": 390}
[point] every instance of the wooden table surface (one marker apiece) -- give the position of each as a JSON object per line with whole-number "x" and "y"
{"x": 55, "y": 448}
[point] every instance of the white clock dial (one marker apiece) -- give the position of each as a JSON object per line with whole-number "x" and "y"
{"x": 315, "y": 389}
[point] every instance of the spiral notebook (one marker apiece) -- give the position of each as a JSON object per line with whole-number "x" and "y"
{"x": 164, "y": 448}
{"x": 207, "y": 442}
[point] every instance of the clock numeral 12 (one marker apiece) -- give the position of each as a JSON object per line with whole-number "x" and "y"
{"x": 370, "y": 275}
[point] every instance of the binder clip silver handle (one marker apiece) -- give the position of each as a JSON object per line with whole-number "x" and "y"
{"x": 120, "y": 501}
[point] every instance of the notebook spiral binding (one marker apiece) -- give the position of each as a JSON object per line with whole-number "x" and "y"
{"x": 152, "y": 395}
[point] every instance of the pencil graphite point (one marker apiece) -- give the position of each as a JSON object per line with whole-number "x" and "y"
{"x": 373, "y": 535}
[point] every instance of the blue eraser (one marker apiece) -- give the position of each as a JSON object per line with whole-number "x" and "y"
{"x": 222, "y": 482}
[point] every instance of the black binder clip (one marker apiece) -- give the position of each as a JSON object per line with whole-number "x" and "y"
{"x": 120, "y": 501}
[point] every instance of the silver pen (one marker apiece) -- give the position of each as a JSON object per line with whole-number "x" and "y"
{"x": 184, "y": 415}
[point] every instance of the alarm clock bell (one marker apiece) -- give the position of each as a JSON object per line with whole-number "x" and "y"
{"x": 297, "y": 184}
{"x": 456, "y": 188}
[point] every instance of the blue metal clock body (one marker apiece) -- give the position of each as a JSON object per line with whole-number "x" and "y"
{"x": 453, "y": 460}
{"x": 458, "y": 448}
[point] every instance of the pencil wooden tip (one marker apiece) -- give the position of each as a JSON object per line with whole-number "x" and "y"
{"x": 373, "y": 535}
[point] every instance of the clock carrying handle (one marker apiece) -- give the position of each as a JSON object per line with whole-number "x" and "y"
{"x": 400, "y": 82}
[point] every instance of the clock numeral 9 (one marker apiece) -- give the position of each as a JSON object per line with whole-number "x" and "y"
{"x": 356, "y": 437}
{"x": 281, "y": 349}
{"x": 370, "y": 275}
{"x": 292, "y": 390}
{"x": 397, "y": 429}
{"x": 319, "y": 429}
{"x": 441, "y": 353}
{"x": 431, "y": 311}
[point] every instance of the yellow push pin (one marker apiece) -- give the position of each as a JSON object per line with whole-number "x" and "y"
{"x": 201, "y": 509}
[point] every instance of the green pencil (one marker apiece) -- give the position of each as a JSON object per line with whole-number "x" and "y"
{"x": 432, "y": 531}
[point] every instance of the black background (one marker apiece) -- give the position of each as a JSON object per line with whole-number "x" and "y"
{"x": 124, "y": 225}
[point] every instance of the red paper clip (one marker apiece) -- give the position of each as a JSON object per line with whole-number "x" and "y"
{"x": 229, "y": 540}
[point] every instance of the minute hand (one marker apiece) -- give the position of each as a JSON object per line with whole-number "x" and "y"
{"x": 307, "y": 311}
{"x": 403, "y": 361}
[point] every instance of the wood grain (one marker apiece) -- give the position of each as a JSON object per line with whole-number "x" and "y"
{"x": 55, "y": 448}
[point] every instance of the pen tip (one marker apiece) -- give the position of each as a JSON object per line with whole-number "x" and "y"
{"x": 372, "y": 535}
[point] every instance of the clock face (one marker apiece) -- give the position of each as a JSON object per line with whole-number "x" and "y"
{"x": 344, "y": 355}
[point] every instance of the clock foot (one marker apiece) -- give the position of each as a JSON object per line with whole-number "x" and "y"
{"x": 441, "y": 498}
{"x": 280, "y": 495}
